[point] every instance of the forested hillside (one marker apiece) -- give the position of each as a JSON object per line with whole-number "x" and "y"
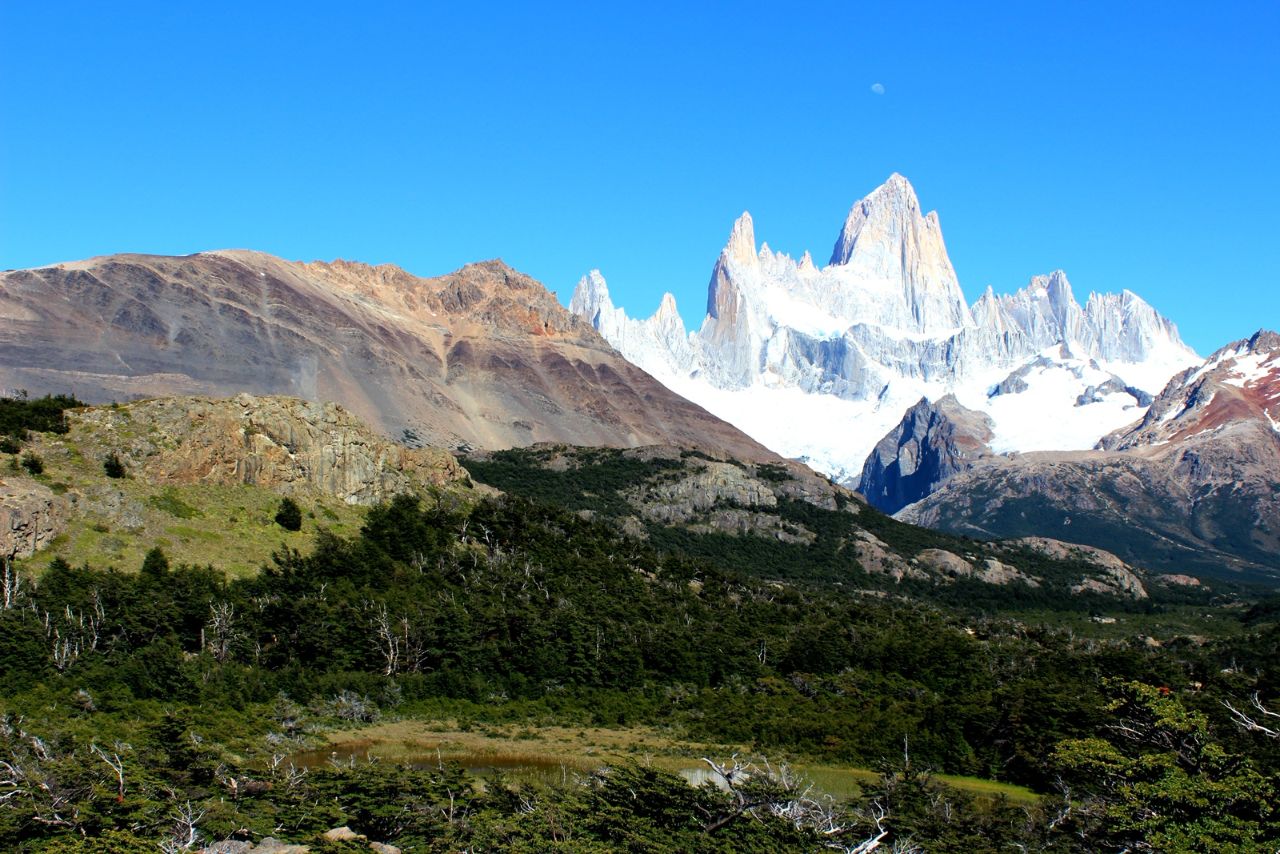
{"x": 170, "y": 704}
{"x": 511, "y": 610}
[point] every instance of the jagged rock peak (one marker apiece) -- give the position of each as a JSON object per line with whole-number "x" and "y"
{"x": 894, "y": 199}
{"x": 1264, "y": 341}
{"x": 888, "y": 244}
{"x": 667, "y": 308}
{"x": 1055, "y": 286}
{"x": 933, "y": 442}
{"x": 741, "y": 247}
{"x": 590, "y": 296}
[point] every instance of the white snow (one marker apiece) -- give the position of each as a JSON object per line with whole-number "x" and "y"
{"x": 1250, "y": 368}
{"x": 1164, "y": 361}
{"x": 831, "y": 435}
{"x": 784, "y": 310}
{"x": 1045, "y": 417}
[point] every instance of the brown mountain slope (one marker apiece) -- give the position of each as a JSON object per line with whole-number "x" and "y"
{"x": 483, "y": 357}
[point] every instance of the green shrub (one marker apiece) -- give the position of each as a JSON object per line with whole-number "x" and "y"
{"x": 112, "y": 465}
{"x": 32, "y": 463}
{"x": 289, "y": 516}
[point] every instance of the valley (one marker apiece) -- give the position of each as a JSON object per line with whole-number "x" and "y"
{"x": 621, "y": 611}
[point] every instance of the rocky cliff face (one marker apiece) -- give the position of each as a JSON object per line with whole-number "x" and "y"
{"x": 283, "y": 444}
{"x": 483, "y": 357}
{"x": 933, "y": 442}
{"x": 844, "y": 350}
{"x": 31, "y": 515}
{"x": 1192, "y": 487}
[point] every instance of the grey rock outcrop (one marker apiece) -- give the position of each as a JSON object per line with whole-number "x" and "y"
{"x": 716, "y": 497}
{"x": 30, "y": 516}
{"x": 933, "y": 442}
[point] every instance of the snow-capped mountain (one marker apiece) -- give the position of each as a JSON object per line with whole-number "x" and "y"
{"x": 819, "y": 363}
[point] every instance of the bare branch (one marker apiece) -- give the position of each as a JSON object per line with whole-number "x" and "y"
{"x": 1251, "y": 721}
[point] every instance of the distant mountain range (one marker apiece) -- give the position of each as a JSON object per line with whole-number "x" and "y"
{"x": 1021, "y": 415}
{"x": 1025, "y": 415}
{"x": 819, "y": 363}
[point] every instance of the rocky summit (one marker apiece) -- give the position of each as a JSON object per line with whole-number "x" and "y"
{"x": 484, "y": 357}
{"x": 819, "y": 363}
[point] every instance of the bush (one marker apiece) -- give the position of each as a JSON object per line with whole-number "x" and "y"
{"x": 10, "y": 444}
{"x": 112, "y": 465}
{"x": 32, "y": 463}
{"x": 289, "y": 516}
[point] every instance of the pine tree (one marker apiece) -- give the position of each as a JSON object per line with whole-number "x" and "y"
{"x": 289, "y": 516}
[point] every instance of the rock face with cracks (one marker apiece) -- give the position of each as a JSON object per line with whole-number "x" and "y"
{"x": 30, "y": 516}
{"x": 283, "y": 444}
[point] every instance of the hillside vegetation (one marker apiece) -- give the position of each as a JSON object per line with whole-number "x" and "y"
{"x": 203, "y": 478}
{"x": 782, "y": 522}
{"x": 163, "y": 703}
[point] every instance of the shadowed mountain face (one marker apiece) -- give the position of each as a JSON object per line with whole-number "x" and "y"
{"x": 933, "y": 442}
{"x": 483, "y": 357}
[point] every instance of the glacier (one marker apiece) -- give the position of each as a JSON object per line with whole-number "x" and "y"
{"x": 819, "y": 363}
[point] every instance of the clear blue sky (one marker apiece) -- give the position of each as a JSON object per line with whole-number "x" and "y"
{"x": 1133, "y": 145}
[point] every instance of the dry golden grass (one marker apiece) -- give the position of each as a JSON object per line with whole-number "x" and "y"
{"x": 585, "y": 749}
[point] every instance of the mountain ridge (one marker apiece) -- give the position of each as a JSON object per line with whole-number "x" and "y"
{"x": 861, "y": 340}
{"x": 481, "y": 357}
{"x": 1194, "y": 484}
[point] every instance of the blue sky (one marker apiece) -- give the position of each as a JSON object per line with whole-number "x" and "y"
{"x": 1133, "y": 147}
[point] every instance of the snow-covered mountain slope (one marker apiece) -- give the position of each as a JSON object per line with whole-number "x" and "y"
{"x": 820, "y": 363}
{"x": 1237, "y": 385}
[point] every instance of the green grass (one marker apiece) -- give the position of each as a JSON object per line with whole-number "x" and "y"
{"x": 115, "y": 522}
{"x": 168, "y": 502}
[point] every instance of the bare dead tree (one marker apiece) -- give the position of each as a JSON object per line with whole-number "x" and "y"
{"x": 31, "y": 775}
{"x": 115, "y": 763}
{"x": 222, "y": 630}
{"x": 288, "y": 775}
{"x": 185, "y": 834}
{"x": 1254, "y": 721}
{"x": 74, "y": 632}
{"x": 401, "y": 648}
{"x": 12, "y": 782}
{"x": 11, "y": 592}
{"x": 387, "y": 639}
{"x": 760, "y": 789}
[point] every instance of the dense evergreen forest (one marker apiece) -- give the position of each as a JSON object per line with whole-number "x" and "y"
{"x": 160, "y": 705}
